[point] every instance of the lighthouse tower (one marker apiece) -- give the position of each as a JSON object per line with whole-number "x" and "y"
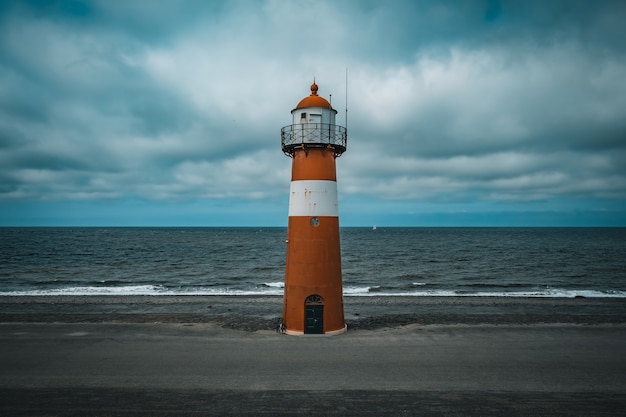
{"x": 313, "y": 300}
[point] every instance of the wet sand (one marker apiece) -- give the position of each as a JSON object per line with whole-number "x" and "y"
{"x": 255, "y": 313}
{"x": 132, "y": 356}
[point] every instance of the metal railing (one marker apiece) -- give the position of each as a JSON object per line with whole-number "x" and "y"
{"x": 313, "y": 135}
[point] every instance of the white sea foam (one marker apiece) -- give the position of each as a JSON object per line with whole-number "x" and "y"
{"x": 279, "y": 284}
{"x": 141, "y": 290}
{"x": 348, "y": 291}
{"x": 552, "y": 293}
{"x": 276, "y": 289}
{"x": 125, "y": 290}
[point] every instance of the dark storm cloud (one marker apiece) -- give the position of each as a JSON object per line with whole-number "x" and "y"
{"x": 539, "y": 83}
{"x": 465, "y": 102}
{"x": 78, "y": 108}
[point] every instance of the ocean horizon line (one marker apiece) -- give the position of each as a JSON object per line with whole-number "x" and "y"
{"x": 371, "y": 226}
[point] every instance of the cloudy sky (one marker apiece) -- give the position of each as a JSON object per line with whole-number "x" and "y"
{"x": 168, "y": 113}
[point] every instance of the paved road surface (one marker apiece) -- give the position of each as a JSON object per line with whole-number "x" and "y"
{"x": 109, "y": 369}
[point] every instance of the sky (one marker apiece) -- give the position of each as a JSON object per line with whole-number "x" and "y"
{"x": 168, "y": 113}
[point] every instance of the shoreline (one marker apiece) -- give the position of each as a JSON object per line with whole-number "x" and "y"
{"x": 255, "y": 313}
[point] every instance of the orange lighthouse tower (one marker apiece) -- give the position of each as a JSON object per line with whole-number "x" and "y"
{"x": 313, "y": 300}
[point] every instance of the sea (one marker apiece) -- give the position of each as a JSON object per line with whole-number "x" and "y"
{"x": 433, "y": 262}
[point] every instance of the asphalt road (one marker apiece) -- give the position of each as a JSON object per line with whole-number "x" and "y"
{"x": 198, "y": 369}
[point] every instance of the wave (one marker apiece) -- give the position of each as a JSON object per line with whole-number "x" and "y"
{"x": 148, "y": 290}
{"x": 122, "y": 290}
{"x": 551, "y": 293}
{"x": 278, "y": 284}
{"x": 348, "y": 291}
{"x": 277, "y": 288}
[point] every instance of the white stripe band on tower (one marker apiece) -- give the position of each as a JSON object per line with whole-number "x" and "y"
{"x": 313, "y": 198}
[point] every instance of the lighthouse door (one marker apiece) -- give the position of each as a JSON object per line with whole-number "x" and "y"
{"x": 315, "y": 118}
{"x": 314, "y": 315}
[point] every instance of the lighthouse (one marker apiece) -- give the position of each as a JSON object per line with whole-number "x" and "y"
{"x": 313, "y": 298}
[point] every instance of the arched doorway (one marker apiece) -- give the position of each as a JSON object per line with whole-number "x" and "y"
{"x": 314, "y": 315}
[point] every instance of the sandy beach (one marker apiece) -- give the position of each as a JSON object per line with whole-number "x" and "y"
{"x": 452, "y": 356}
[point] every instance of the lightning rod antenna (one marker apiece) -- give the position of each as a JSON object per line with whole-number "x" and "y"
{"x": 346, "y": 98}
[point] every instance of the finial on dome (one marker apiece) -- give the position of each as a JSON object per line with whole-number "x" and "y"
{"x": 313, "y": 88}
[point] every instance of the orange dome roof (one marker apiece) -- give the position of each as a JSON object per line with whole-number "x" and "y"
{"x": 313, "y": 100}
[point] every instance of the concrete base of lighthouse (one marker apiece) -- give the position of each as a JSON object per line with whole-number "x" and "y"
{"x": 330, "y": 333}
